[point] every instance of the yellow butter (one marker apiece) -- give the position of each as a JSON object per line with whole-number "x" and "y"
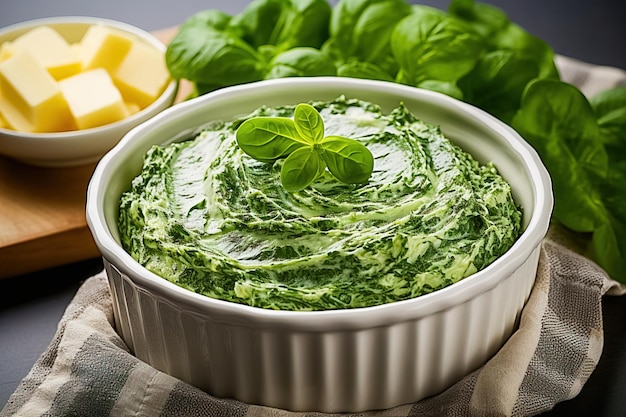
{"x": 50, "y": 50}
{"x": 49, "y": 85}
{"x": 104, "y": 47}
{"x": 6, "y": 51}
{"x": 93, "y": 99}
{"x": 131, "y": 108}
{"x": 142, "y": 75}
{"x": 30, "y": 99}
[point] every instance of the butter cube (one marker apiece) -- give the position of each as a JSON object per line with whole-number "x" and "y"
{"x": 104, "y": 47}
{"x": 131, "y": 108}
{"x": 6, "y": 51}
{"x": 30, "y": 99}
{"x": 142, "y": 75}
{"x": 50, "y": 50}
{"x": 93, "y": 98}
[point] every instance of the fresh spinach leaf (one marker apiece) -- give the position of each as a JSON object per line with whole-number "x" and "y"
{"x": 608, "y": 242}
{"x": 610, "y": 109}
{"x": 559, "y": 122}
{"x": 582, "y": 145}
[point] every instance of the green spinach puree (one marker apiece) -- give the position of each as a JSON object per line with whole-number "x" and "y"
{"x": 209, "y": 218}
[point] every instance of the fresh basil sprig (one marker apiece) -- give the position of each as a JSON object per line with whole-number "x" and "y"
{"x": 307, "y": 151}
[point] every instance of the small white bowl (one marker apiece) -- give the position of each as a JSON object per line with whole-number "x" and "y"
{"x": 84, "y": 146}
{"x": 328, "y": 361}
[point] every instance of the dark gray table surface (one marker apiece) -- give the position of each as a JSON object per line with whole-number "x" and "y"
{"x": 31, "y": 305}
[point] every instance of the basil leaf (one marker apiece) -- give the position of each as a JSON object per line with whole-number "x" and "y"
{"x": 301, "y": 168}
{"x": 307, "y": 151}
{"x": 362, "y": 28}
{"x": 213, "y": 18}
{"x": 499, "y": 33}
{"x": 449, "y": 88}
{"x": 300, "y": 62}
{"x": 347, "y": 159}
{"x": 283, "y": 23}
{"x": 515, "y": 38}
{"x": 497, "y": 82}
{"x": 259, "y": 20}
{"x": 431, "y": 45}
{"x": 365, "y": 70}
{"x": 485, "y": 19}
{"x": 207, "y": 55}
{"x": 268, "y": 138}
{"x": 306, "y": 25}
{"x": 309, "y": 123}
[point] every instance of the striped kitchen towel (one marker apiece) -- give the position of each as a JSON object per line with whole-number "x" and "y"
{"x": 87, "y": 370}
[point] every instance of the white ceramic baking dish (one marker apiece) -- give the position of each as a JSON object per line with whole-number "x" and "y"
{"x": 329, "y": 361}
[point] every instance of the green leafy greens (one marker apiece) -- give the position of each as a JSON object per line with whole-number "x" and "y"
{"x": 589, "y": 174}
{"x": 306, "y": 150}
{"x": 472, "y": 52}
{"x": 268, "y": 39}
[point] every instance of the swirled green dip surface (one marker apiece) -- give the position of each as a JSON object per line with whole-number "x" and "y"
{"x": 207, "y": 217}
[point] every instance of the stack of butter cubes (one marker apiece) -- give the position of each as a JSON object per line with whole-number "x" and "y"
{"x": 50, "y": 85}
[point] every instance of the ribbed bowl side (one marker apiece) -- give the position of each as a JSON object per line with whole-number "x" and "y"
{"x": 340, "y": 371}
{"x": 121, "y": 303}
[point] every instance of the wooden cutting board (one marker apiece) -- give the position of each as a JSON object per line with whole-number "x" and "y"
{"x": 42, "y": 211}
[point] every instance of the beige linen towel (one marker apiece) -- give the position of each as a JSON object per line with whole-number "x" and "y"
{"x": 88, "y": 370}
